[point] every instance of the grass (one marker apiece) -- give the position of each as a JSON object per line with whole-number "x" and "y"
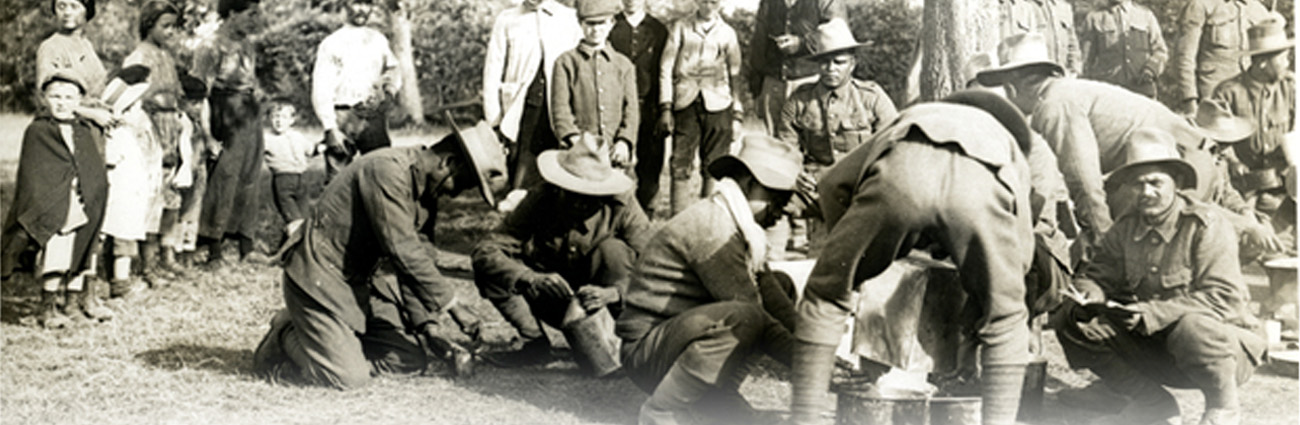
{"x": 181, "y": 355}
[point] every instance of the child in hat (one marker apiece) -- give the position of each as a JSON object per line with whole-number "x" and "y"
{"x": 594, "y": 88}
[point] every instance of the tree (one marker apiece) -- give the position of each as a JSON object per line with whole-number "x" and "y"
{"x": 409, "y": 97}
{"x": 956, "y": 30}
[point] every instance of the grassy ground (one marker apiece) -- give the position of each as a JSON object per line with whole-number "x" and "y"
{"x": 181, "y": 354}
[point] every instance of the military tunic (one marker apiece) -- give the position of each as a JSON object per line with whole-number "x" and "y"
{"x": 1209, "y": 49}
{"x": 829, "y": 122}
{"x": 1271, "y": 107}
{"x": 1122, "y": 45}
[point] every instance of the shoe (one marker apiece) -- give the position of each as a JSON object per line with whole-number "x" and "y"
{"x": 459, "y": 358}
{"x": 1219, "y": 416}
{"x": 156, "y": 278}
{"x": 269, "y": 354}
{"x": 81, "y": 305}
{"x": 534, "y": 353}
{"x": 120, "y": 288}
{"x": 50, "y": 316}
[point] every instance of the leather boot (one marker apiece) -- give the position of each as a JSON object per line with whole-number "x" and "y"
{"x": 88, "y": 300}
{"x": 149, "y": 266}
{"x": 681, "y": 195}
{"x": 674, "y": 399}
{"x": 50, "y": 316}
{"x": 536, "y": 349}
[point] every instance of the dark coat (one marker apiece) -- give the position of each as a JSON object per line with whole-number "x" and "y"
{"x": 45, "y": 172}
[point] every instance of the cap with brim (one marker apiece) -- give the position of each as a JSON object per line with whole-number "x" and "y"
{"x": 1215, "y": 123}
{"x": 583, "y": 169}
{"x": 1027, "y": 51}
{"x": 485, "y": 154}
{"x": 774, "y": 164}
{"x": 65, "y": 75}
{"x": 597, "y": 9}
{"x": 1151, "y": 147}
{"x": 831, "y": 38}
{"x": 1268, "y": 36}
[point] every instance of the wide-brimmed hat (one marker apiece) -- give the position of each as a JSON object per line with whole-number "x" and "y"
{"x": 486, "y": 155}
{"x": 831, "y": 38}
{"x": 1001, "y": 109}
{"x": 774, "y": 164}
{"x": 583, "y": 168}
{"x": 1149, "y": 146}
{"x": 1215, "y": 122}
{"x": 125, "y": 87}
{"x": 592, "y": 9}
{"x": 1020, "y": 51}
{"x": 976, "y": 64}
{"x": 89, "y": 4}
{"x": 1268, "y": 36}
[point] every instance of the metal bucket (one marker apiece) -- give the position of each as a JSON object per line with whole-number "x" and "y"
{"x": 860, "y": 408}
{"x": 592, "y": 338}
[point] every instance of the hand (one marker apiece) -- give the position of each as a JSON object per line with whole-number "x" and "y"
{"x": 336, "y": 143}
{"x": 788, "y": 43}
{"x": 621, "y": 155}
{"x": 1096, "y": 330}
{"x": 214, "y": 150}
{"x": 806, "y": 183}
{"x": 1131, "y": 320}
{"x": 1260, "y": 235}
{"x": 1238, "y": 169}
{"x": 550, "y": 285}
{"x": 594, "y": 297}
{"x": 664, "y": 126}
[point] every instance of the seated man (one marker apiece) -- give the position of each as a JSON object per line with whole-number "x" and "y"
{"x": 693, "y": 310}
{"x": 574, "y": 235}
{"x": 341, "y": 326}
{"x": 1163, "y": 302}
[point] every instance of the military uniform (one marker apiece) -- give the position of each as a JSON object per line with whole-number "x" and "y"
{"x": 1271, "y": 107}
{"x": 1209, "y": 49}
{"x": 774, "y": 73}
{"x": 1122, "y": 45}
{"x": 1056, "y": 23}
{"x": 1183, "y": 277}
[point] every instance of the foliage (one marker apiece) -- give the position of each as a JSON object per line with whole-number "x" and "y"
{"x": 450, "y": 40}
{"x": 891, "y": 28}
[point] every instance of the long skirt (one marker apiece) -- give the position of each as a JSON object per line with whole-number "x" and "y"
{"x": 231, "y": 202}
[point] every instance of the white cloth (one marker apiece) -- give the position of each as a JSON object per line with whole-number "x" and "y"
{"x": 728, "y": 194}
{"x": 352, "y": 65}
{"x": 288, "y": 153}
{"x": 135, "y": 179}
{"x": 515, "y": 49}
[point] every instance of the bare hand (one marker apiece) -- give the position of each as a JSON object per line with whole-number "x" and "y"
{"x": 594, "y": 297}
{"x": 806, "y": 183}
{"x": 664, "y": 126}
{"x": 336, "y": 143}
{"x": 788, "y": 43}
{"x": 549, "y": 285}
{"x": 621, "y": 155}
{"x": 1262, "y": 236}
{"x": 1096, "y": 330}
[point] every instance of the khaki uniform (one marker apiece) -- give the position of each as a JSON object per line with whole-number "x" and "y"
{"x": 1122, "y": 45}
{"x": 1271, "y": 107}
{"x": 1213, "y": 36}
{"x": 1056, "y": 23}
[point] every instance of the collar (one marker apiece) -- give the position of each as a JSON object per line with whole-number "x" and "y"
{"x": 844, "y": 91}
{"x": 543, "y": 7}
{"x": 633, "y": 19}
{"x": 588, "y": 50}
{"x": 697, "y": 24}
{"x": 1168, "y": 226}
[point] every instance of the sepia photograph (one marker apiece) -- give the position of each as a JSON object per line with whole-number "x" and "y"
{"x": 649, "y": 212}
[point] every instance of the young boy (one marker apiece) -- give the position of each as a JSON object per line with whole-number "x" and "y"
{"x": 288, "y": 154}
{"x": 594, "y": 87}
{"x": 697, "y": 80}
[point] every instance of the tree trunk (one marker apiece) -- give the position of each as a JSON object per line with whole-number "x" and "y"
{"x": 954, "y": 30}
{"x": 409, "y": 97}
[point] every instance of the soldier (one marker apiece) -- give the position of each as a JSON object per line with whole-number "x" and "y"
{"x": 1264, "y": 94}
{"x": 781, "y": 28}
{"x": 1163, "y": 302}
{"x": 340, "y": 325}
{"x": 950, "y": 174}
{"x": 1056, "y": 24}
{"x": 829, "y": 119}
{"x": 1208, "y": 51}
{"x": 573, "y": 238}
{"x": 1122, "y": 45}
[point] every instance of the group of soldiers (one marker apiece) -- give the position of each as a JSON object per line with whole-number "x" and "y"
{"x": 1058, "y": 127}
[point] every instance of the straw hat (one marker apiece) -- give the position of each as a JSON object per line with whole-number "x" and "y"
{"x": 1268, "y": 36}
{"x": 485, "y": 154}
{"x": 1150, "y": 146}
{"x": 583, "y": 169}
{"x": 1216, "y": 123}
{"x": 831, "y": 38}
{"x": 774, "y": 164}
{"x": 1018, "y": 52}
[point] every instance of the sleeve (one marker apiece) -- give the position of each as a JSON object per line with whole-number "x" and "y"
{"x": 1048, "y": 185}
{"x": 1102, "y": 277}
{"x": 385, "y": 190}
{"x": 1073, "y": 57}
{"x": 668, "y": 63}
{"x": 1069, "y": 132}
{"x": 1159, "y": 52}
{"x": 733, "y": 73}
{"x": 493, "y": 70}
{"x": 496, "y": 258}
{"x": 627, "y": 130}
{"x": 562, "y": 83}
{"x": 1216, "y": 282}
{"x": 785, "y": 127}
{"x": 758, "y": 40}
{"x": 45, "y": 65}
{"x": 723, "y": 269}
{"x": 324, "y": 79}
{"x": 392, "y": 74}
{"x": 883, "y": 109}
{"x": 1087, "y": 31}
{"x": 1191, "y": 22}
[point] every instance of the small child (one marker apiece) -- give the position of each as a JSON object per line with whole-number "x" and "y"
{"x": 594, "y": 87}
{"x": 288, "y": 154}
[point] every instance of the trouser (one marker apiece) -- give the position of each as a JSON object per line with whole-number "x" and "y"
{"x": 917, "y": 191}
{"x": 1197, "y": 351}
{"x": 328, "y": 352}
{"x": 771, "y": 99}
{"x": 230, "y": 202}
{"x": 711, "y": 342}
{"x": 608, "y": 265}
{"x": 367, "y": 130}
{"x": 696, "y": 130}
{"x": 289, "y": 195}
{"x": 535, "y": 136}
{"x": 649, "y": 156}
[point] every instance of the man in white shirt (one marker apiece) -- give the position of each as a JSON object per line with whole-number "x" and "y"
{"x": 515, "y": 93}
{"x": 353, "y": 85}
